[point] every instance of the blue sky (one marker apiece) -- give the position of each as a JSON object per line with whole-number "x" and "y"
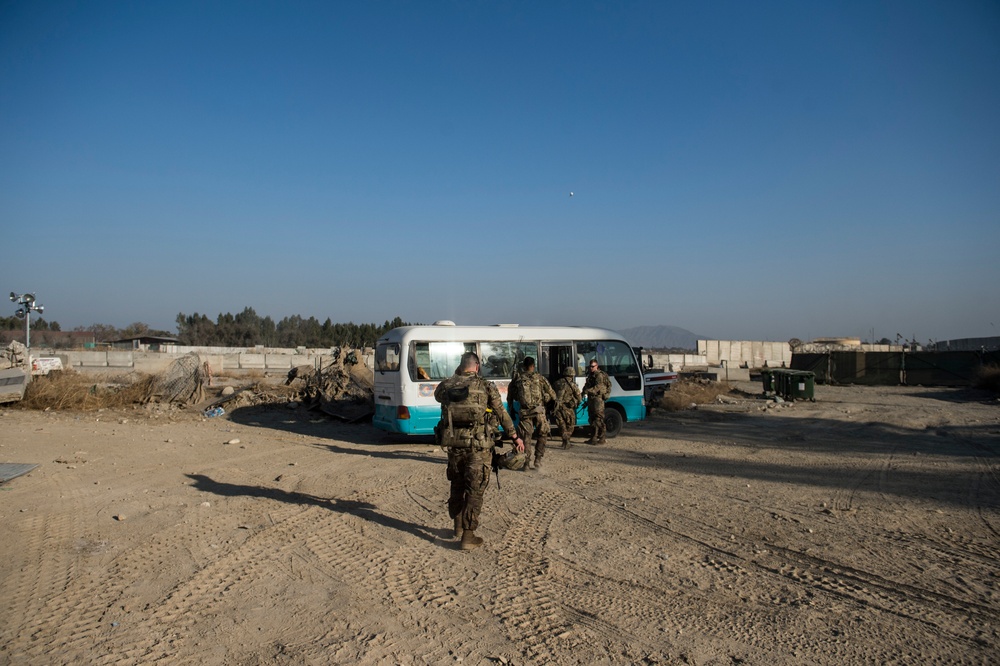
{"x": 761, "y": 170}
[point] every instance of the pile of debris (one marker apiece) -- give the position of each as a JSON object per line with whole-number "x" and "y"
{"x": 338, "y": 389}
{"x": 13, "y": 372}
{"x": 15, "y": 355}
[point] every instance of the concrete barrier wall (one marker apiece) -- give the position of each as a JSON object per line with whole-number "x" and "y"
{"x": 283, "y": 361}
{"x": 752, "y": 353}
{"x": 87, "y": 359}
{"x": 676, "y": 362}
{"x": 251, "y": 361}
{"x": 219, "y": 359}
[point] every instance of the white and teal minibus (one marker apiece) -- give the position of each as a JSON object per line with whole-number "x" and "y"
{"x": 410, "y": 361}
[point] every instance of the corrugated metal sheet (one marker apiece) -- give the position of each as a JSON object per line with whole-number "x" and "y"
{"x": 10, "y": 471}
{"x": 893, "y": 368}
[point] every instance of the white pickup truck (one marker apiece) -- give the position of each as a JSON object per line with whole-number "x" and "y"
{"x": 655, "y": 380}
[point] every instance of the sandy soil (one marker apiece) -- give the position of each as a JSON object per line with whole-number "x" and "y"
{"x": 862, "y": 528}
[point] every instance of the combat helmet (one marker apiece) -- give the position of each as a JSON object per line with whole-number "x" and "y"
{"x": 568, "y": 372}
{"x": 512, "y": 460}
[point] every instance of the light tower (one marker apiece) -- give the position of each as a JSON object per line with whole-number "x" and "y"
{"x": 28, "y": 305}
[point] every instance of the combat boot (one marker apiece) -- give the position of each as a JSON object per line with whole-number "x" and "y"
{"x": 458, "y": 527}
{"x": 470, "y": 541}
{"x": 566, "y": 444}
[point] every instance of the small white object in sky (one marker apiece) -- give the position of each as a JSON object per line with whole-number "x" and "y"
{"x": 571, "y": 194}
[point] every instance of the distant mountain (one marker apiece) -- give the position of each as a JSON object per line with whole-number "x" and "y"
{"x": 661, "y": 337}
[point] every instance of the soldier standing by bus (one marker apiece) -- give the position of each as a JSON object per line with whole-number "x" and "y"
{"x": 532, "y": 392}
{"x": 597, "y": 389}
{"x": 567, "y": 400}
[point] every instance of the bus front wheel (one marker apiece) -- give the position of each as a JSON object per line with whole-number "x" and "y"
{"x": 613, "y": 422}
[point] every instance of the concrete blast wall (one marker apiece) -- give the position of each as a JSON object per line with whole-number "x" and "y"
{"x": 273, "y": 361}
{"x": 752, "y": 353}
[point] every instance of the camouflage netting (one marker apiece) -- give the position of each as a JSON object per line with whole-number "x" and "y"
{"x": 183, "y": 382}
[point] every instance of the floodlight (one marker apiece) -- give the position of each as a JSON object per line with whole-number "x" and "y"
{"x": 20, "y": 313}
{"x": 29, "y": 299}
{"x": 39, "y": 309}
{"x": 13, "y": 296}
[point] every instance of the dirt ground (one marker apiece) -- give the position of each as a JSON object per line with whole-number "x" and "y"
{"x": 862, "y": 528}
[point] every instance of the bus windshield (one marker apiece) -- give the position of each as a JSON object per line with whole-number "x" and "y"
{"x": 614, "y": 357}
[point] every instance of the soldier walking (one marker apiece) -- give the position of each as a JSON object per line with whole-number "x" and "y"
{"x": 533, "y": 392}
{"x": 567, "y": 400}
{"x": 469, "y": 405}
{"x": 597, "y": 389}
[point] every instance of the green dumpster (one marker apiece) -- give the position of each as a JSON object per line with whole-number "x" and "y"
{"x": 800, "y": 385}
{"x": 778, "y": 381}
{"x": 765, "y": 377}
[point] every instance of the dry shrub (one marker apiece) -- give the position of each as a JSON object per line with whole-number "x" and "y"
{"x": 988, "y": 378}
{"x": 684, "y": 392}
{"x": 74, "y": 391}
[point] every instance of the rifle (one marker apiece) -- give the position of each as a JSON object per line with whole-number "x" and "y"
{"x": 497, "y": 457}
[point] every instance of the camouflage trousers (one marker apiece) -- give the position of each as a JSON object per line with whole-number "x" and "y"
{"x": 534, "y": 423}
{"x": 469, "y": 473}
{"x": 566, "y": 420}
{"x": 595, "y": 411}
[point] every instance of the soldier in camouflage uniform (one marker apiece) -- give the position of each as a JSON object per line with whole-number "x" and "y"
{"x": 567, "y": 399}
{"x": 533, "y": 392}
{"x": 596, "y": 389}
{"x": 470, "y": 447}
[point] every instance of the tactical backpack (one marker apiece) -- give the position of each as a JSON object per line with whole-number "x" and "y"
{"x": 527, "y": 392}
{"x": 461, "y": 408}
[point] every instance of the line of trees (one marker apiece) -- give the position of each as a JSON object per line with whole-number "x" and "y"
{"x": 37, "y": 324}
{"x": 244, "y": 329}
{"x": 247, "y": 329}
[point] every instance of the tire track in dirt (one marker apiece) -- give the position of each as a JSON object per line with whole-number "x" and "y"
{"x": 50, "y": 567}
{"x": 987, "y": 482}
{"x": 81, "y": 616}
{"x": 331, "y": 535}
{"x": 346, "y": 542}
{"x": 908, "y": 602}
{"x": 36, "y": 592}
{"x": 92, "y": 608}
{"x": 524, "y": 598}
{"x": 557, "y": 607}
{"x": 628, "y": 604}
{"x": 406, "y": 581}
{"x": 206, "y": 593}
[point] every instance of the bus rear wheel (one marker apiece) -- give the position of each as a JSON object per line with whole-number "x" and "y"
{"x": 613, "y": 422}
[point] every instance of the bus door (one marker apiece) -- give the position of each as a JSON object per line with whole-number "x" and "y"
{"x": 555, "y": 356}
